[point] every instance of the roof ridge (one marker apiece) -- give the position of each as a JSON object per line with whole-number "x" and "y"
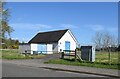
{"x": 53, "y": 31}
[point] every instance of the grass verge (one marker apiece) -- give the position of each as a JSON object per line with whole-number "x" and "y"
{"x": 83, "y": 63}
{"x": 15, "y": 54}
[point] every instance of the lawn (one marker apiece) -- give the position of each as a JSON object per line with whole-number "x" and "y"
{"x": 103, "y": 57}
{"x": 101, "y": 61}
{"x": 15, "y": 54}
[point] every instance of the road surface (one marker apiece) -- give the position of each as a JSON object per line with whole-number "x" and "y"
{"x": 13, "y": 70}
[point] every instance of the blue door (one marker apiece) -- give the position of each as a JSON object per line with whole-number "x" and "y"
{"x": 42, "y": 48}
{"x": 67, "y": 45}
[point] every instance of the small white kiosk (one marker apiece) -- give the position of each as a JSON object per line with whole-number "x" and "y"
{"x": 88, "y": 53}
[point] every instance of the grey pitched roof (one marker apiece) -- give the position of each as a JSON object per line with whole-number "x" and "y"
{"x": 48, "y": 37}
{"x": 23, "y": 43}
{"x": 88, "y": 47}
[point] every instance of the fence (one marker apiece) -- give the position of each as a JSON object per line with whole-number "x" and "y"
{"x": 70, "y": 53}
{"x": 35, "y": 52}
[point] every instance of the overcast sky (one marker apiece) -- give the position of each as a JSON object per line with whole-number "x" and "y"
{"x": 84, "y": 19}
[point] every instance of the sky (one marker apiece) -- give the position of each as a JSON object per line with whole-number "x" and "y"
{"x": 84, "y": 19}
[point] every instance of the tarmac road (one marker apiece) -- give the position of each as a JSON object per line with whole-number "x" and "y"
{"x": 13, "y": 70}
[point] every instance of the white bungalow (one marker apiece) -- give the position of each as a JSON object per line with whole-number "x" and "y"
{"x": 51, "y": 42}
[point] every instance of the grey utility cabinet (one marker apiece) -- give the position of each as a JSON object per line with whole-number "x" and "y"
{"x": 88, "y": 53}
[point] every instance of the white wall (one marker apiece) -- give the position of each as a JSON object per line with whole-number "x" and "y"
{"x": 55, "y": 47}
{"x": 33, "y": 47}
{"x": 67, "y": 37}
{"x": 49, "y": 49}
{"x": 23, "y": 47}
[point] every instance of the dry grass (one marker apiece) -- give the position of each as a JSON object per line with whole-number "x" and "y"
{"x": 104, "y": 57}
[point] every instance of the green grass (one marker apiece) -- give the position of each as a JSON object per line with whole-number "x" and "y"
{"x": 83, "y": 63}
{"x": 103, "y": 57}
{"x": 101, "y": 61}
{"x": 15, "y": 54}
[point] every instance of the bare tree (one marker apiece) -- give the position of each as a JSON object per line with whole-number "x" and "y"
{"x": 105, "y": 41}
{"x": 98, "y": 40}
{"x": 109, "y": 40}
{"x": 107, "y": 44}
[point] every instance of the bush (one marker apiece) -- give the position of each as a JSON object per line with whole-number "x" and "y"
{"x": 118, "y": 49}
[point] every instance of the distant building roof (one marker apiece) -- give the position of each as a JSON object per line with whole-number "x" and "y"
{"x": 23, "y": 43}
{"x": 48, "y": 37}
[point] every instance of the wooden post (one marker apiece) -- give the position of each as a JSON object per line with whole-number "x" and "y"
{"x": 109, "y": 55}
{"x": 75, "y": 54}
{"x": 25, "y": 52}
{"x": 62, "y": 55}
